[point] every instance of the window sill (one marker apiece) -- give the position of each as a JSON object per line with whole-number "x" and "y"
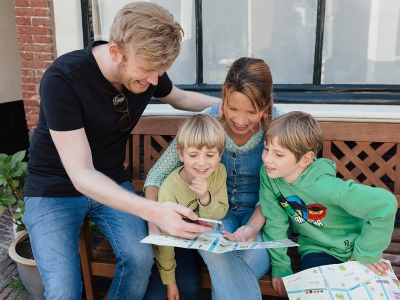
{"x": 322, "y": 112}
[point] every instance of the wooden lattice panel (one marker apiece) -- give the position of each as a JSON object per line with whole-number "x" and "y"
{"x": 368, "y": 153}
{"x": 364, "y": 163}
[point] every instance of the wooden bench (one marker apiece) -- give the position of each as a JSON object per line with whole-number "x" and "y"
{"x": 369, "y": 153}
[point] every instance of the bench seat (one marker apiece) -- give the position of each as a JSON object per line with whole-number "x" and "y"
{"x": 368, "y": 153}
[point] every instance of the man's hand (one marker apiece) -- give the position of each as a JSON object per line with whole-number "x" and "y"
{"x": 378, "y": 267}
{"x": 245, "y": 233}
{"x": 172, "y": 291}
{"x": 168, "y": 217}
{"x": 278, "y": 286}
{"x": 153, "y": 228}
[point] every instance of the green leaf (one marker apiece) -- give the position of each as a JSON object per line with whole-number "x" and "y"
{"x": 1, "y": 209}
{"x": 20, "y": 227}
{"x": 19, "y": 156}
{"x": 18, "y": 215}
{"x": 8, "y": 199}
{"x": 17, "y": 173}
{"x": 14, "y": 183}
{"x": 21, "y": 204}
{"x": 3, "y": 181}
{"x": 3, "y": 156}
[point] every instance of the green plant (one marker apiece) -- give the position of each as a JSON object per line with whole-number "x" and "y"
{"x": 12, "y": 178}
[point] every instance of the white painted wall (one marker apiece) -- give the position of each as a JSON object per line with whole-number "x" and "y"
{"x": 68, "y": 23}
{"x": 10, "y": 64}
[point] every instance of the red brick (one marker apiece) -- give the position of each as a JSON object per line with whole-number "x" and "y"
{"x": 40, "y": 73}
{"x": 41, "y": 22}
{"x": 26, "y": 55}
{"x": 40, "y": 3}
{"x": 35, "y": 80}
{"x": 29, "y": 95}
{"x": 25, "y": 39}
{"x": 41, "y": 39}
{"x": 35, "y": 48}
{"x": 35, "y": 65}
{"x": 34, "y": 110}
{"x": 31, "y": 127}
{"x": 29, "y": 87}
{"x": 31, "y": 103}
{"x": 31, "y": 110}
{"x": 33, "y": 30}
{"x": 27, "y": 72}
{"x": 44, "y": 57}
{"x": 32, "y": 119}
{"x": 26, "y": 11}
{"x": 23, "y": 3}
{"x": 23, "y": 21}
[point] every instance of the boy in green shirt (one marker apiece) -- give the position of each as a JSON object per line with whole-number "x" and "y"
{"x": 336, "y": 220}
{"x": 200, "y": 184}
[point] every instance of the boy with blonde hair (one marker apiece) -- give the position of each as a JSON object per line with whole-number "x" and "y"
{"x": 336, "y": 220}
{"x": 200, "y": 184}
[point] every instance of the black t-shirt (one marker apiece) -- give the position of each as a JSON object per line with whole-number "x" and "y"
{"x": 75, "y": 94}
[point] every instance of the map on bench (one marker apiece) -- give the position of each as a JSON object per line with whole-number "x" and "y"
{"x": 349, "y": 280}
{"x": 213, "y": 242}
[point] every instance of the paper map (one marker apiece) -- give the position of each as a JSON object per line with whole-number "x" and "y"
{"x": 212, "y": 242}
{"x": 350, "y": 280}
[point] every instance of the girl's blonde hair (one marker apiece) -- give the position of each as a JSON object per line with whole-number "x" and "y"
{"x": 252, "y": 77}
{"x": 200, "y": 131}
{"x": 298, "y": 132}
{"x": 148, "y": 30}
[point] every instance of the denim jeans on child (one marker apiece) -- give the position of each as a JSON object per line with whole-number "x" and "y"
{"x": 187, "y": 275}
{"x": 236, "y": 273}
{"x": 312, "y": 260}
{"x": 54, "y": 225}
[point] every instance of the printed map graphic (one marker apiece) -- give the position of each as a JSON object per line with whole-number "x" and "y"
{"x": 212, "y": 242}
{"x": 349, "y": 280}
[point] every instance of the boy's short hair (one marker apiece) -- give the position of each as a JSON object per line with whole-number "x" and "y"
{"x": 297, "y": 131}
{"x": 149, "y": 31}
{"x": 201, "y": 130}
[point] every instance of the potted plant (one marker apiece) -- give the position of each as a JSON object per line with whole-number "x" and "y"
{"x": 12, "y": 178}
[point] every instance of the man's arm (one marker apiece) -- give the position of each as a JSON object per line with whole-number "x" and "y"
{"x": 74, "y": 150}
{"x": 190, "y": 101}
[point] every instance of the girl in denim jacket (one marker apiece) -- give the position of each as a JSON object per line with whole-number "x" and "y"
{"x": 246, "y": 108}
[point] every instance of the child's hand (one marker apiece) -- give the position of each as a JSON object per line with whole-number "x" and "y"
{"x": 245, "y": 233}
{"x": 200, "y": 187}
{"x": 378, "y": 267}
{"x": 278, "y": 286}
{"x": 172, "y": 291}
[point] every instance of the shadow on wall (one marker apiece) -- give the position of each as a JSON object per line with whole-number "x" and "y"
{"x": 13, "y": 129}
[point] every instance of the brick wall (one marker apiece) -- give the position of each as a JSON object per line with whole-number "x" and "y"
{"x": 36, "y": 48}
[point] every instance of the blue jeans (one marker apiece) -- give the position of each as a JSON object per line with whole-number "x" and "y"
{"x": 312, "y": 260}
{"x": 187, "y": 276}
{"x": 54, "y": 225}
{"x": 234, "y": 275}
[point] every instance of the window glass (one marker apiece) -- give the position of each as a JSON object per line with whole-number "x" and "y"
{"x": 183, "y": 70}
{"x": 280, "y": 32}
{"x": 361, "y": 42}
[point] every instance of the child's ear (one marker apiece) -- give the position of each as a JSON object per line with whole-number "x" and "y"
{"x": 179, "y": 153}
{"x": 307, "y": 159}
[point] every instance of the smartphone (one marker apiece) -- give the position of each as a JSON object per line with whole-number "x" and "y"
{"x": 214, "y": 224}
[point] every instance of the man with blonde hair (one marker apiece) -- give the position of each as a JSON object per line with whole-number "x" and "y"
{"x": 91, "y": 99}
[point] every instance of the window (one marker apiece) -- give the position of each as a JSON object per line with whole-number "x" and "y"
{"x": 325, "y": 51}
